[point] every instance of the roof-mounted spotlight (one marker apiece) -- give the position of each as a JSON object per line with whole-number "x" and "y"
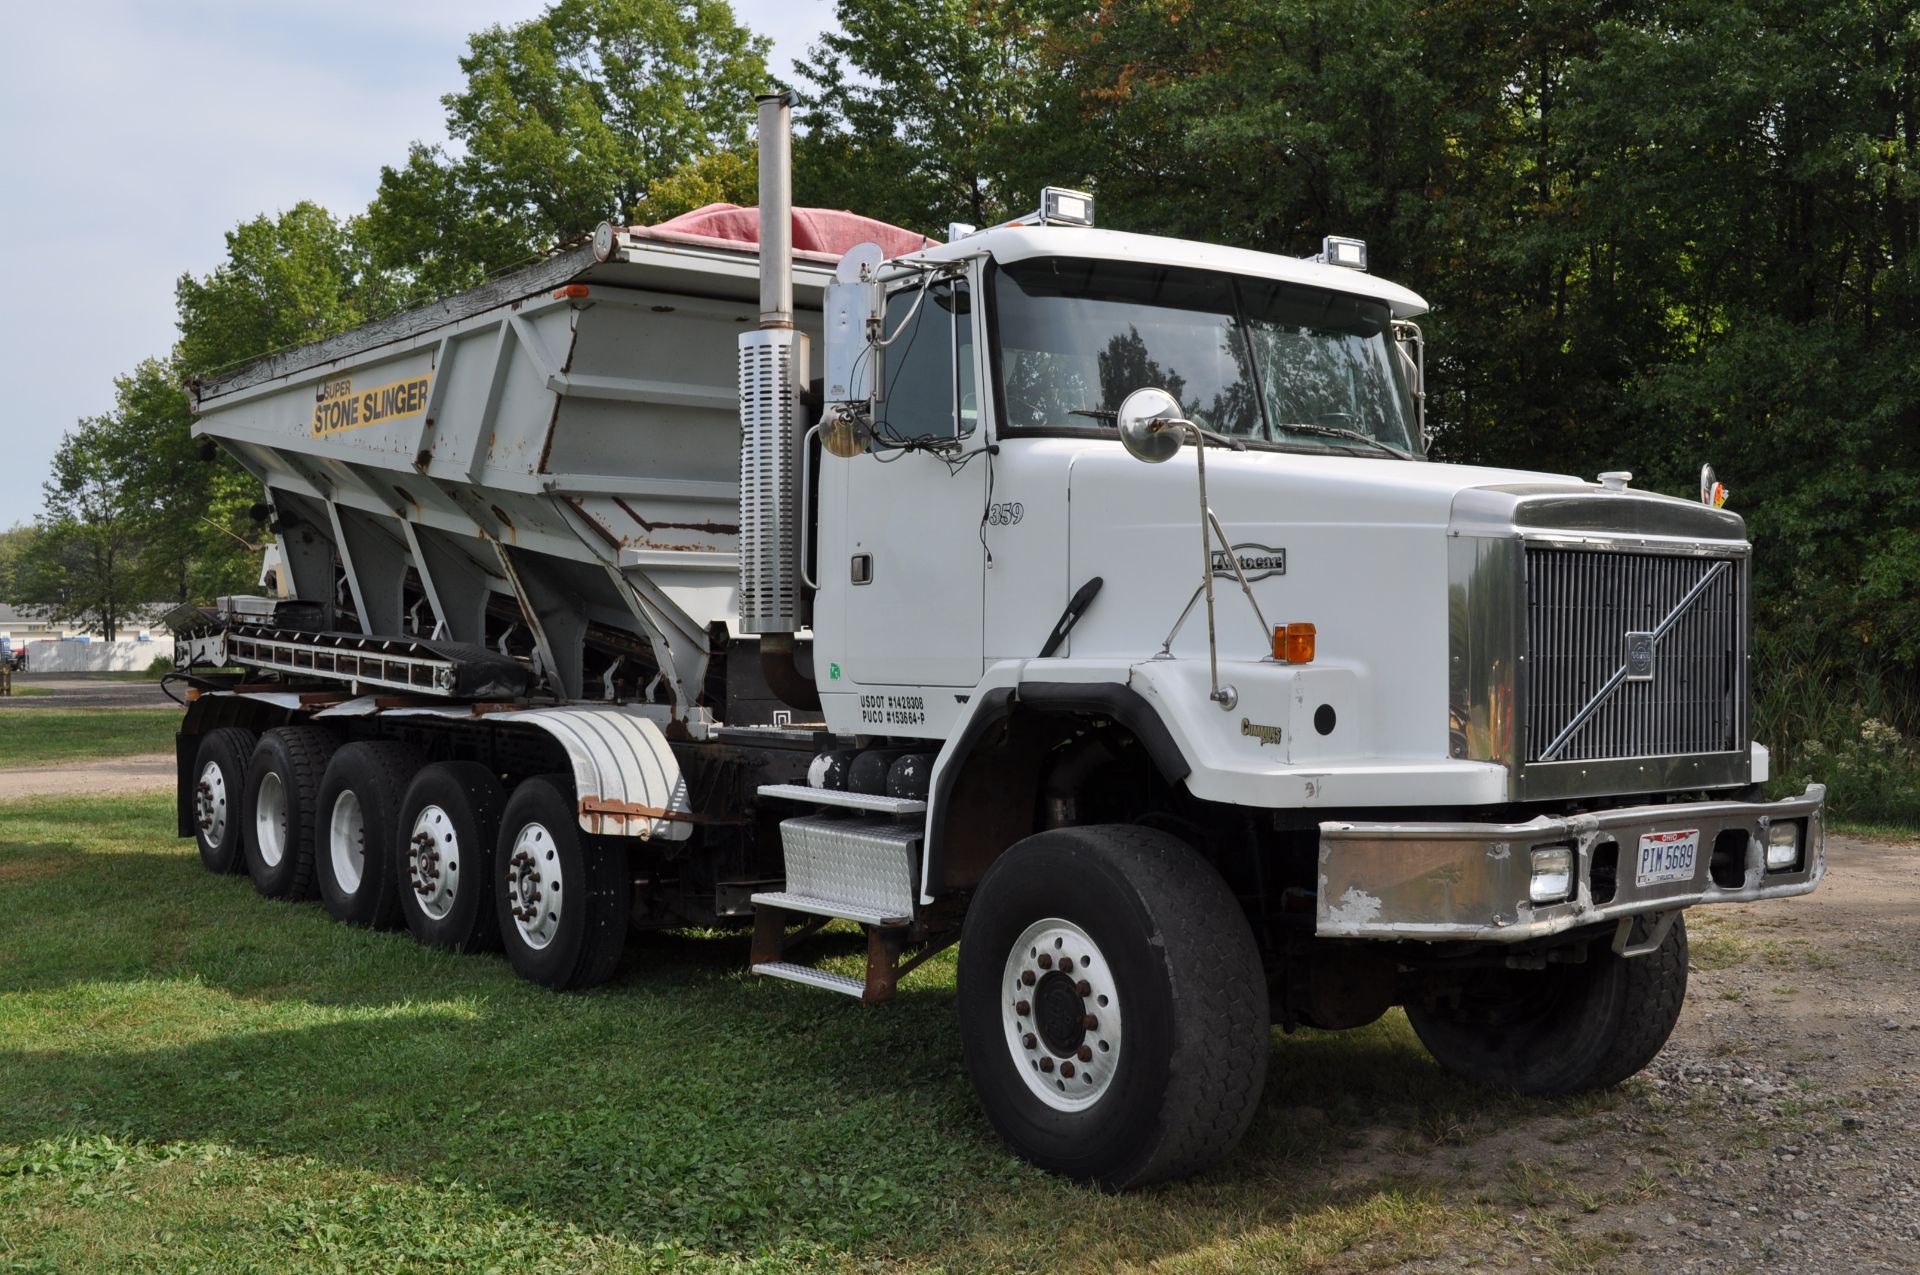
{"x": 1351, "y": 253}
{"x": 1062, "y": 207}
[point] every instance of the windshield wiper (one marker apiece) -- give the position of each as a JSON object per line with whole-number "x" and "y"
{"x": 1337, "y": 431}
{"x": 1112, "y": 417}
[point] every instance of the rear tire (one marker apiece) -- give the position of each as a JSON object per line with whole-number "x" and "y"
{"x": 443, "y": 856}
{"x": 1564, "y": 1029}
{"x": 563, "y": 903}
{"x": 356, "y": 834}
{"x": 220, "y": 781}
{"x": 1146, "y": 1058}
{"x": 282, "y": 792}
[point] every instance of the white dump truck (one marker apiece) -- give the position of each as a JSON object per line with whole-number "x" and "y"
{"x": 1084, "y": 598}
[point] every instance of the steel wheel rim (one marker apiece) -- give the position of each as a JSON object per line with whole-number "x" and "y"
{"x": 433, "y": 861}
{"x": 533, "y": 886}
{"x": 210, "y": 803}
{"x": 270, "y": 819}
{"x": 1053, "y": 968}
{"x": 347, "y": 841}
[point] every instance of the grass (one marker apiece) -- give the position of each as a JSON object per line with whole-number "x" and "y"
{"x": 43, "y": 736}
{"x": 197, "y": 1078}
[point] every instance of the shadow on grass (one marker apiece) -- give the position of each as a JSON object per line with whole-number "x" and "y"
{"x": 686, "y": 1104}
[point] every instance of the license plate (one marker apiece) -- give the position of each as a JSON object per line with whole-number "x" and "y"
{"x": 1667, "y": 856}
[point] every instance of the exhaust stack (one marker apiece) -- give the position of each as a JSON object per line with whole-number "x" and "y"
{"x": 776, "y": 210}
{"x": 774, "y": 366}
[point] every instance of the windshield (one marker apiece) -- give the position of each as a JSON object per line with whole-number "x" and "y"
{"x": 1252, "y": 358}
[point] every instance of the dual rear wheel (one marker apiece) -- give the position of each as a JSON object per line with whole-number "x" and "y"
{"x": 384, "y": 839}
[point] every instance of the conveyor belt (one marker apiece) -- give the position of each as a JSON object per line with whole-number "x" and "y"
{"x": 423, "y": 667}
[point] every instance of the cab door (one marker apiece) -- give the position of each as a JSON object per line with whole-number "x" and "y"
{"x": 912, "y": 567}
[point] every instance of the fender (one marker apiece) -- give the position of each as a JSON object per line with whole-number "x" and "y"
{"x": 1114, "y": 700}
{"x": 625, "y": 776}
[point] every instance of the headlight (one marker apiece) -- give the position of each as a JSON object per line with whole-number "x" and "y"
{"x": 1552, "y": 879}
{"x": 1783, "y": 845}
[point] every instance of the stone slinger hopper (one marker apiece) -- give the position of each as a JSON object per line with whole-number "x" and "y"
{"x": 1086, "y": 599}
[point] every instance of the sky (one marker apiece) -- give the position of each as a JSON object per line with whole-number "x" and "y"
{"x": 135, "y": 133}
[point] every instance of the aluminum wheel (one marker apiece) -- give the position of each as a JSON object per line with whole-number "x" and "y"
{"x": 433, "y": 861}
{"x": 270, "y": 819}
{"x": 1062, "y": 1014}
{"x": 210, "y": 803}
{"x": 347, "y": 841}
{"x": 533, "y": 886}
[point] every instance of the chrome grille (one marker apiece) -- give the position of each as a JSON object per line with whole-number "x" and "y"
{"x": 1586, "y": 701}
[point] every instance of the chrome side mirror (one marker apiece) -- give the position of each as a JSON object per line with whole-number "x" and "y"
{"x": 1143, "y": 421}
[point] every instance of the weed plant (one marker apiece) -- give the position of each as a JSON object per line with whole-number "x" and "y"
{"x": 1840, "y": 719}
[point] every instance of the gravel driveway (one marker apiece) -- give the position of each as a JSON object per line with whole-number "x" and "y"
{"x": 1778, "y": 1131}
{"x": 143, "y": 772}
{"x": 68, "y": 691}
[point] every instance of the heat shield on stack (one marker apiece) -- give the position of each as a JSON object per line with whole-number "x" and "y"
{"x": 772, "y": 361}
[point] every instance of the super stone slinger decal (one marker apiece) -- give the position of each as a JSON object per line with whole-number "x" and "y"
{"x": 337, "y": 406}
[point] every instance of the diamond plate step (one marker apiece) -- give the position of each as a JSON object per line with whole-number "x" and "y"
{"x": 813, "y": 978}
{"x": 852, "y": 862}
{"x": 828, "y": 907}
{"x": 868, "y": 802}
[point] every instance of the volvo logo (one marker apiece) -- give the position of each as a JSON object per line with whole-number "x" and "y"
{"x": 1257, "y": 562}
{"x": 1639, "y": 657}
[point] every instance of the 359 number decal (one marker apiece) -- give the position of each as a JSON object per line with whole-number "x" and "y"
{"x": 1004, "y": 513}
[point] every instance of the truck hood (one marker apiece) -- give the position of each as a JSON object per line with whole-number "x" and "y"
{"x": 1358, "y": 547}
{"x": 1287, "y": 487}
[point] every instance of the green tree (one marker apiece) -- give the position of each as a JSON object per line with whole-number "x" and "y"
{"x": 14, "y": 542}
{"x": 80, "y": 568}
{"x": 286, "y": 280}
{"x": 719, "y": 177}
{"x": 915, "y": 111}
{"x": 565, "y": 120}
{"x": 178, "y": 502}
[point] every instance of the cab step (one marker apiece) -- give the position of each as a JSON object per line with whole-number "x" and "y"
{"x": 824, "y": 979}
{"x": 830, "y": 908}
{"x": 850, "y": 861}
{"x": 869, "y": 803}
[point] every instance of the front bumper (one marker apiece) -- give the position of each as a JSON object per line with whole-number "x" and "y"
{"x": 1469, "y": 881}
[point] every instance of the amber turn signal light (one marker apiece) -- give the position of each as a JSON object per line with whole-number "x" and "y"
{"x": 1293, "y": 643}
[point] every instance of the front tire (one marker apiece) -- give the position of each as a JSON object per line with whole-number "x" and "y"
{"x": 1113, "y": 1008}
{"x": 282, "y": 793}
{"x": 356, "y": 833}
{"x": 220, "y": 780}
{"x": 444, "y": 856}
{"x": 563, "y": 904}
{"x": 1565, "y": 1029}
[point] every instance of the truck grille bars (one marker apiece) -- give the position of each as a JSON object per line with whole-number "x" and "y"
{"x": 1634, "y": 655}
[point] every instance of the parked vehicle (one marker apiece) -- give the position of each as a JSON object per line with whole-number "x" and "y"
{"x": 12, "y": 656}
{"x": 1090, "y": 602}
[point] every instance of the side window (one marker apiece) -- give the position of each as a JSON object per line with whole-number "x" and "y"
{"x": 928, "y": 383}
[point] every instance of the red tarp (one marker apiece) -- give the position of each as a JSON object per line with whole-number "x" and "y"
{"x": 822, "y": 232}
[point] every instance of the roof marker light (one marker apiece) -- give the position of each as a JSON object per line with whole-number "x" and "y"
{"x": 1351, "y": 253}
{"x": 1062, "y": 207}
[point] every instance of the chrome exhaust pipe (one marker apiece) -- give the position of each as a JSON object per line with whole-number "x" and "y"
{"x": 774, "y": 367}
